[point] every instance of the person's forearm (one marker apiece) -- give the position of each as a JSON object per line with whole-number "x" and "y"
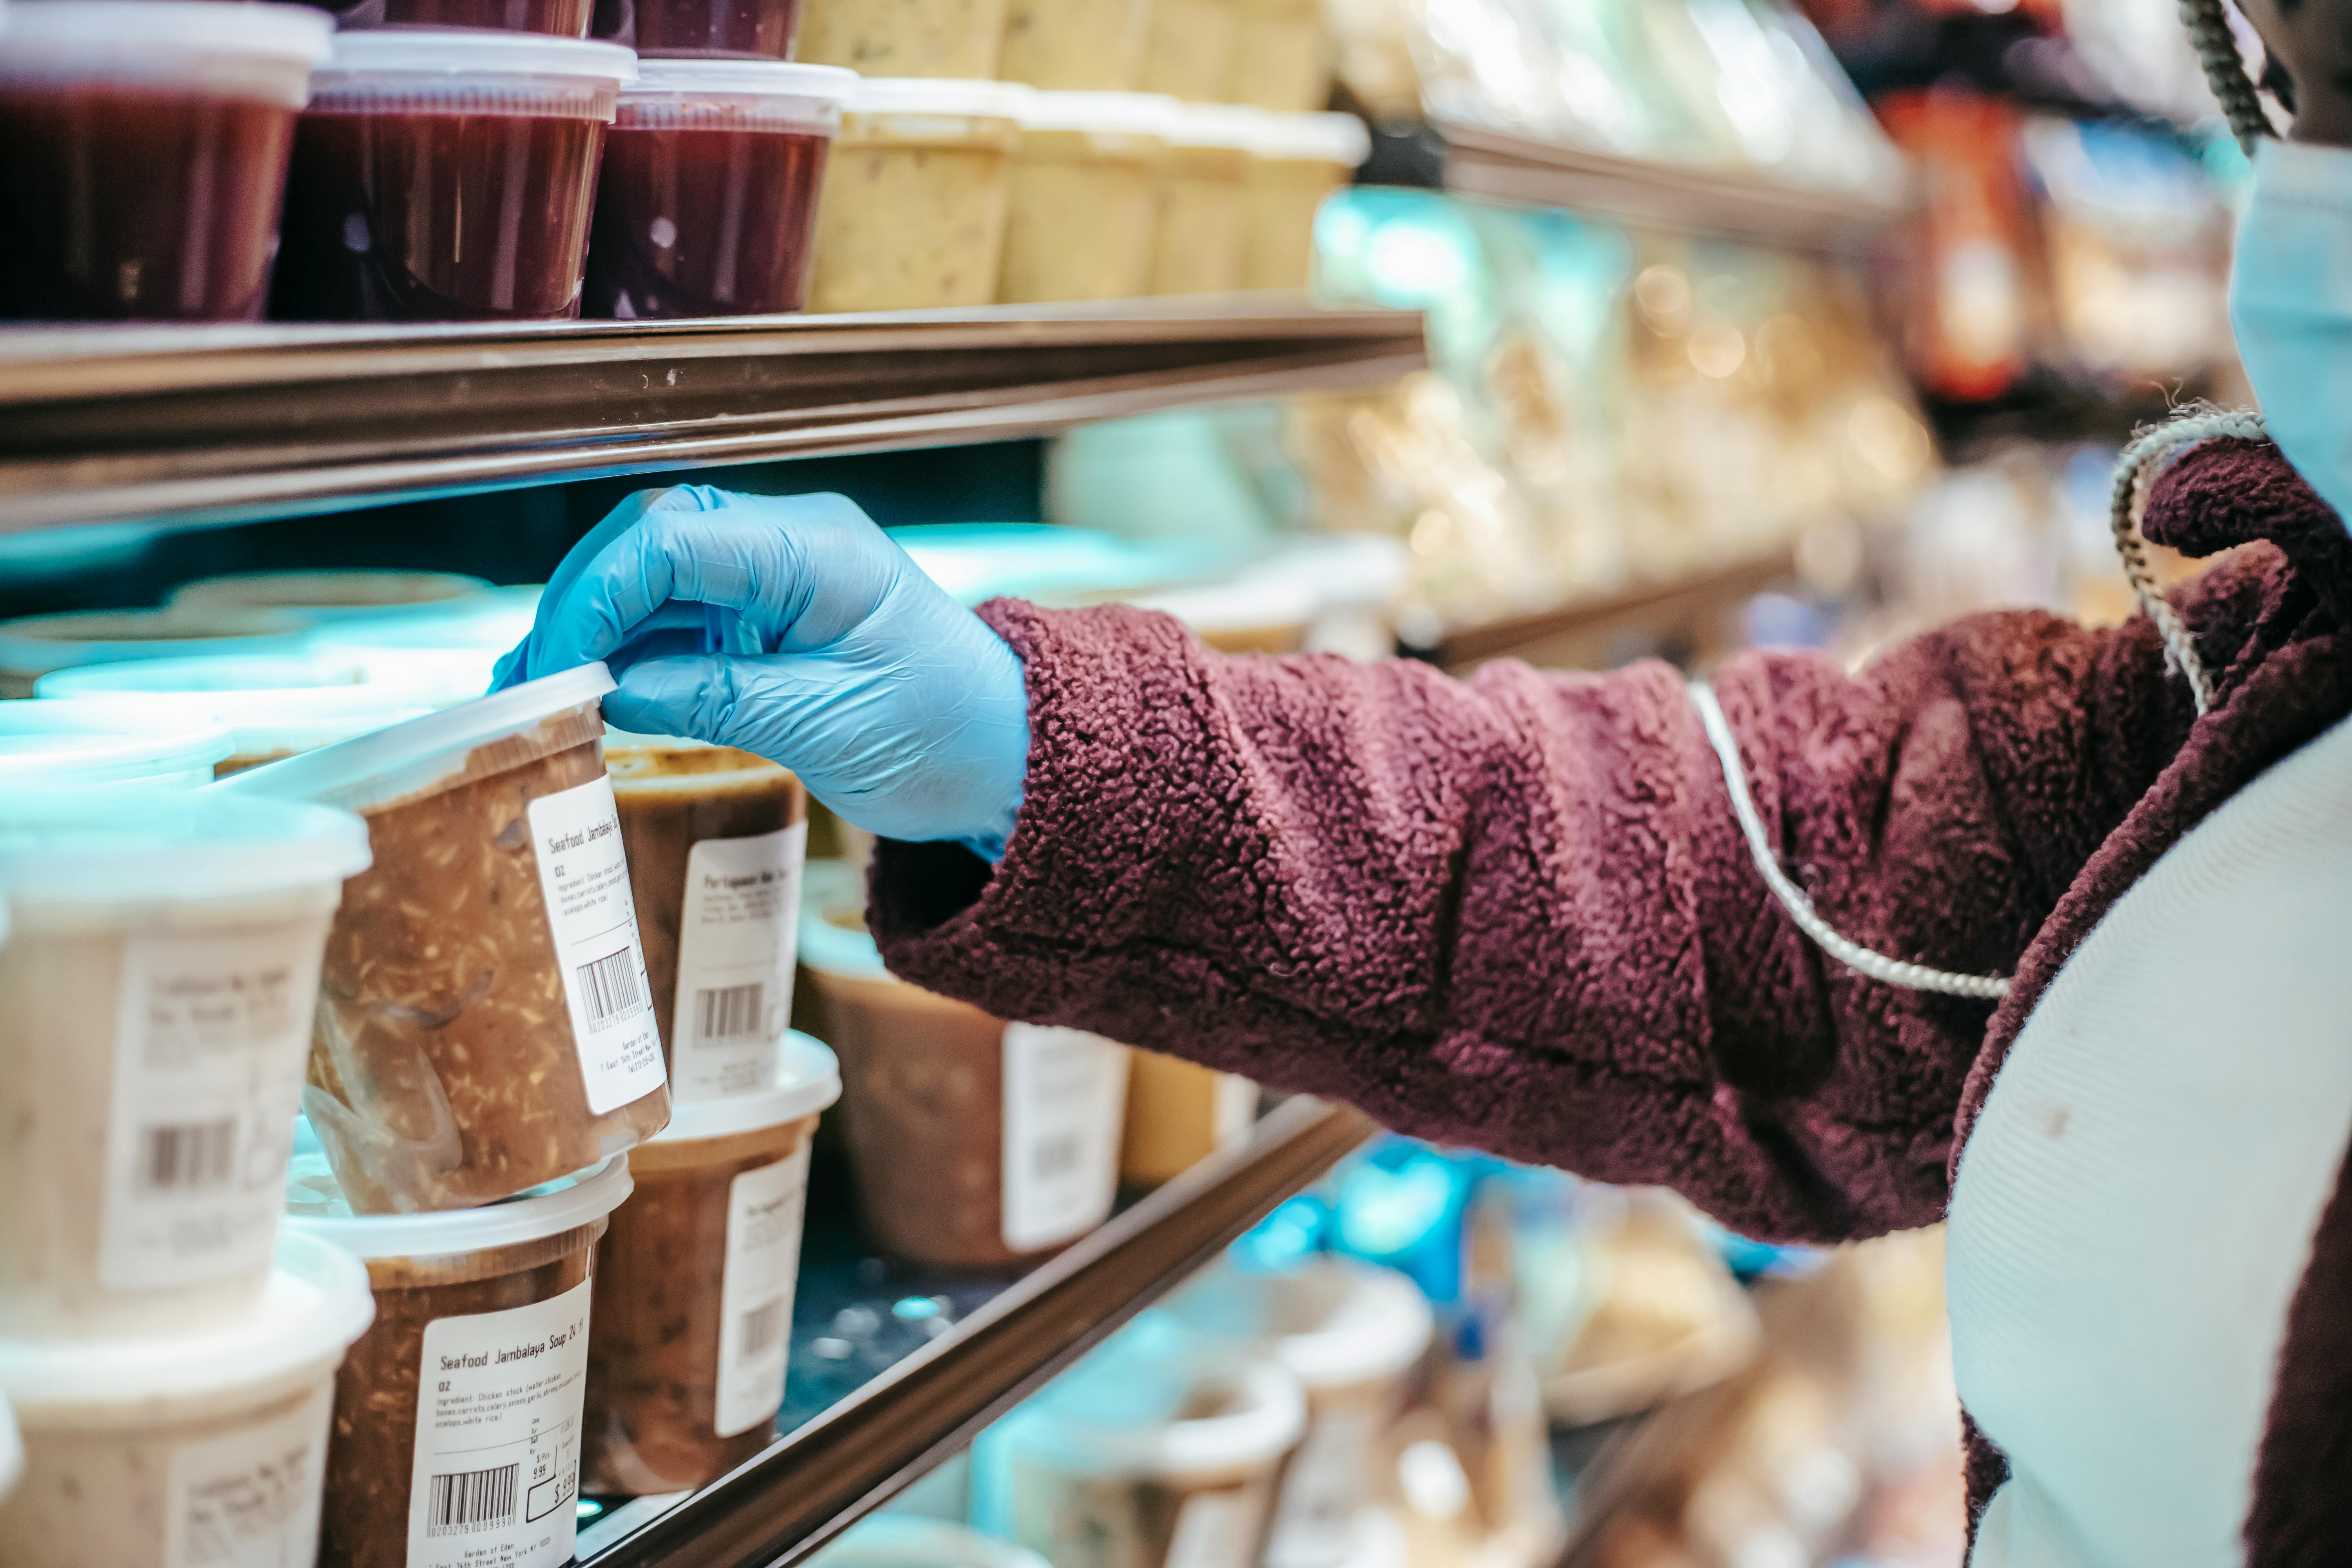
{"x": 1517, "y": 912}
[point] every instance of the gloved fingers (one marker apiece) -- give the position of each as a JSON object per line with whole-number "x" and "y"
{"x": 774, "y": 560}
{"x": 532, "y": 657}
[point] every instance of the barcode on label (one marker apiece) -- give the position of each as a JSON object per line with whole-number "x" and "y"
{"x": 608, "y": 987}
{"x": 470, "y": 1500}
{"x": 1054, "y": 1156}
{"x": 763, "y": 1326}
{"x": 731, "y": 1011}
{"x": 191, "y": 1157}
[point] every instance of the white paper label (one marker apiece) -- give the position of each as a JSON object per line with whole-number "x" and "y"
{"x": 209, "y": 1048}
{"x": 249, "y": 1498}
{"x": 1233, "y": 1111}
{"x": 584, "y": 879}
{"x": 1313, "y": 1518}
{"x": 737, "y": 934}
{"x": 498, "y": 1436}
{"x": 755, "y": 1295}
{"x": 1065, "y": 1100}
{"x": 1216, "y": 1530}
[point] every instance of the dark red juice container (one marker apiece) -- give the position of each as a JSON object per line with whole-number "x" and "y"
{"x": 557, "y": 18}
{"x": 143, "y": 152}
{"x": 445, "y": 177}
{"x": 673, "y": 28}
{"x": 709, "y": 193}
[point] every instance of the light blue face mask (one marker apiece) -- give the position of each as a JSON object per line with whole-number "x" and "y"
{"x": 2291, "y": 305}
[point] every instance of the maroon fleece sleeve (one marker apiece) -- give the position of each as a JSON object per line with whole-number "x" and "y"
{"x": 1517, "y": 911}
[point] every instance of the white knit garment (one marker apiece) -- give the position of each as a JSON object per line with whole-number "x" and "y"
{"x": 2134, "y": 1208}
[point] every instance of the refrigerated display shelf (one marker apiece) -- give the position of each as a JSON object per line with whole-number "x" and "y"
{"x": 1735, "y": 203}
{"x": 891, "y": 1395}
{"x": 101, "y": 424}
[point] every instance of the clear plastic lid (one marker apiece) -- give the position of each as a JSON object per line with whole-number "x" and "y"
{"x": 1224, "y": 126}
{"x": 424, "y": 70}
{"x": 76, "y": 846}
{"x": 242, "y": 50}
{"x": 1333, "y": 1322}
{"x": 31, "y": 646}
{"x": 269, "y": 721}
{"x": 939, "y": 95}
{"x": 1338, "y": 139}
{"x": 409, "y": 757}
{"x": 779, "y": 95}
{"x": 1152, "y": 1400}
{"x": 90, "y": 740}
{"x": 1103, "y": 113}
{"x": 315, "y": 1207}
{"x": 332, "y": 595}
{"x": 316, "y": 1305}
{"x": 807, "y": 1081}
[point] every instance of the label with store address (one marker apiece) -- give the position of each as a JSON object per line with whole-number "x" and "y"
{"x": 1065, "y": 1098}
{"x": 755, "y": 1295}
{"x": 737, "y": 930}
{"x": 209, "y": 1047}
{"x": 584, "y": 879}
{"x": 496, "y": 1464}
{"x": 249, "y": 1498}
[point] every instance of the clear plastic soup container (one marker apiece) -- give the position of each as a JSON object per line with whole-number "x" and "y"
{"x": 32, "y": 646}
{"x": 142, "y": 1453}
{"x": 1202, "y": 219}
{"x": 1189, "y": 50}
{"x": 1297, "y": 161}
{"x": 146, "y": 153}
{"x": 445, "y": 176}
{"x": 1074, "y": 46}
{"x": 1281, "y": 56}
{"x": 707, "y": 202}
{"x": 915, "y": 198}
{"x": 1349, "y": 1332}
{"x": 556, "y": 18}
{"x": 694, "y": 1286}
{"x": 89, "y": 740}
{"x": 1178, "y": 1114}
{"x": 1083, "y": 196}
{"x": 716, "y": 838}
{"x": 1147, "y": 1455}
{"x": 956, "y": 38}
{"x": 484, "y": 1024}
{"x": 265, "y": 722}
{"x": 155, "y": 997}
{"x": 322, "y": 596}
{"x": 462, "y": 1404}
{"x": 976, "y": 1143}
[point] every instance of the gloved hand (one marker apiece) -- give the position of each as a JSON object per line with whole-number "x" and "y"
{"x": 791, "y": 626}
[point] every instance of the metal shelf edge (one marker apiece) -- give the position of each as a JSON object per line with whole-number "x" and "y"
{"x": 785, "y": 1504}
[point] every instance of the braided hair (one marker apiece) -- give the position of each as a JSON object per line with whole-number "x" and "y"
{"x": 2225, "y": 73}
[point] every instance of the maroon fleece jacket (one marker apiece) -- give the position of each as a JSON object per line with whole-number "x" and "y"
{"x": 1517, "y": 911}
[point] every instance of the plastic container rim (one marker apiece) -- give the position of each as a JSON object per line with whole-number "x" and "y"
{"x": 938, "y": 94}
{"x": 808, "y": 1080}
{"x": 331, "y": 771}
{"x": 456, "y": 54}
{"x": 1259, "y": 1433}
{"x": 1102, "y": 113}
{"x": 828, "y": 85}
{"x": 316, "y": 1306}
{"x": 54, "y": 846}
{"x": 97, "y": 741}
{"x": 216, "y": 28}
{"x": 577, "y": 1200}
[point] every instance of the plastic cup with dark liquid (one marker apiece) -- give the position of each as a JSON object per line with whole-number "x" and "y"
{"x": 445, "y": 176}
{"x": 708, "y": 199}
{"x": 143, "y": 152}
{"x": 673, "y": 28}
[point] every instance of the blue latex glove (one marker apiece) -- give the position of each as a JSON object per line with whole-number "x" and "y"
{"x": 791, "y": 626}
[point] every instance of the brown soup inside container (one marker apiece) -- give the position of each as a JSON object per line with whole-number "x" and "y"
{"x": 678, "y": 1389}
{"x": 673, "y": 798}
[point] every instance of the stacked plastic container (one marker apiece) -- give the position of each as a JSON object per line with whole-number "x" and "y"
{"x": 168, "y": 1355}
